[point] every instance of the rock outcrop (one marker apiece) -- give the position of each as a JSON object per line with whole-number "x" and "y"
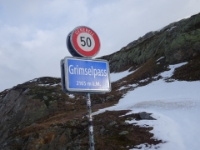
{"x": 177, "y": 42}
{"x": 38, "y": 115}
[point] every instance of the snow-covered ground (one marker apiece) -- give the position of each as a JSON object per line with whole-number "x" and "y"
{"x": 175, "y": 105}
{"x": 116, "y": 76}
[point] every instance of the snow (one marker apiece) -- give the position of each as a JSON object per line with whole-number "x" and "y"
{"x": 34, "y": 80}
{"x": 160, "y": 58}
{"x": 170, "y": 29}
{"x": 176, "y": 107}
{"x": 128, "y": 86}
{"x": 48, "y": 84}
{"x": 71, "y": 95}
{"x": 169, "y": 73}
{"x": 43, "y": 84}
{"x": 116, "y": 76}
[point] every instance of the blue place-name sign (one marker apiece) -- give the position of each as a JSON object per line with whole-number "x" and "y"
{"x": 86, "y": 75}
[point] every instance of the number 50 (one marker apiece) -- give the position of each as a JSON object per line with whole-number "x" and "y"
{"x": 86, "y": 41}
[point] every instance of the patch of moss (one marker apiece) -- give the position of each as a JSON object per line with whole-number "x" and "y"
{"x": 45, "y": 94}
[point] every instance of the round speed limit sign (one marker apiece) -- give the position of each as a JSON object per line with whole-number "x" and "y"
{"x": 83, "y": 42}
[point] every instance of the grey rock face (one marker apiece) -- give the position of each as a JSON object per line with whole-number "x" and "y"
{"x": 146, "y": 116}
{"x": 177, "y": 42}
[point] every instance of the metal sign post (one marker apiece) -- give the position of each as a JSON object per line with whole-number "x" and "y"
{"x": 90, "y": 126}
{"x": 82, "y": 74}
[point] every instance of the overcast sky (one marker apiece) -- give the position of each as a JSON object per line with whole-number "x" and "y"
{"x": 33, "y": 32}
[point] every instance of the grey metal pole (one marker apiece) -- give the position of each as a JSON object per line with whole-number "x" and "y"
{"x": 90, "y": 126}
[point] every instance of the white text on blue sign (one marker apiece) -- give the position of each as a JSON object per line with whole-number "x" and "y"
{"x": 88, "y": 75}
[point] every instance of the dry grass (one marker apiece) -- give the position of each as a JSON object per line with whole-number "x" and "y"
{"x": 190, "y": 71}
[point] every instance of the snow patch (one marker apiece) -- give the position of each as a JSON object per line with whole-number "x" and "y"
{"x": 170, "y": 29}
{"x": 168, "y": 74}
{"x": 54, "y": 85}
{"x": 71, "y": 95}
{"x": 34, "y": 80}
{"x": 174, "y": 105}
{"x": 160, "y": 58}
{"x": 43, "y": 84}
{"x": 127, "y": 86}
{"x": 116, "y": 76}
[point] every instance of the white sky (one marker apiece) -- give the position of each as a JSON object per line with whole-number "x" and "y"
{"x": 33, "y": 33}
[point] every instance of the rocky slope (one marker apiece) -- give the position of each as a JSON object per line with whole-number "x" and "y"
{"x": 177, "y": 42}
{"x": 38, "y": 115}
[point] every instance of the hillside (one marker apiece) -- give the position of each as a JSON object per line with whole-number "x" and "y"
{"x": 177, "y": 42}
{"x": 38, "y": 115}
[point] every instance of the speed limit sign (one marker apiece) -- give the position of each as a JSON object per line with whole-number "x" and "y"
{"x": 83, "y": 42}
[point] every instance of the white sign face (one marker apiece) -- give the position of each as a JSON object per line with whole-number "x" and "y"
{"x": 85, "y": 41}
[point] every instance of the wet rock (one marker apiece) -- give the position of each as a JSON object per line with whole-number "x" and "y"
{"x": 145, "y": 116}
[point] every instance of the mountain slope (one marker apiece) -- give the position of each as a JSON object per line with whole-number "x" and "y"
{"x": 175, "y": 105}
{"x": 38, "y": 115}
{"x": 176, "y": 42}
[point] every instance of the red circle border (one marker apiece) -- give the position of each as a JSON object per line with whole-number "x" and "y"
{"x": 78, "y": 49}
